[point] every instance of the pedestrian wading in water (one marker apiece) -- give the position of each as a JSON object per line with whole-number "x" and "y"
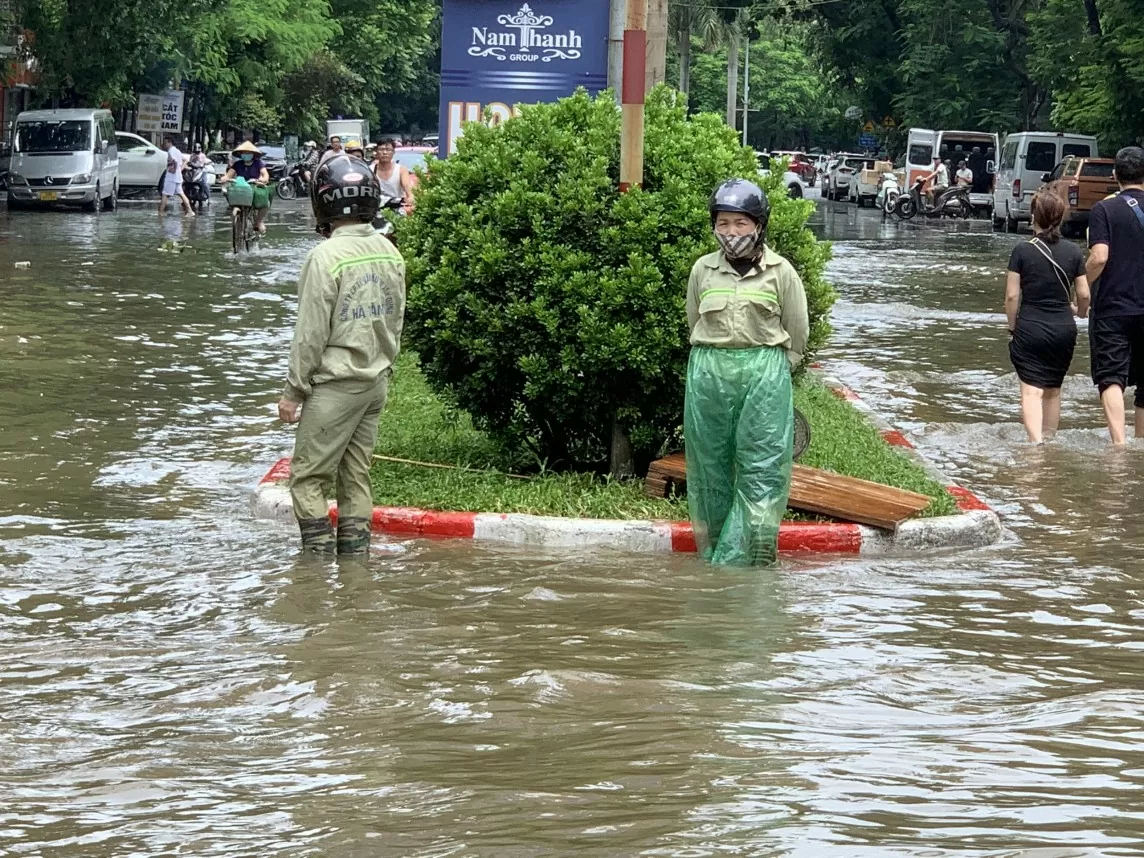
{"x": 746, "y": 308}
{"x": 1116, "y": 271}
{"x": 351, "y": 309}
{"x": 1045, "y": 291}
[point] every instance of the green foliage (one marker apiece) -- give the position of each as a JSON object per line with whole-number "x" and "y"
{"x": 1097, "y": 79}
{"x": 260, "y": 64}
{"x": 546, "y": 303}
{"x": 795, "y": 99}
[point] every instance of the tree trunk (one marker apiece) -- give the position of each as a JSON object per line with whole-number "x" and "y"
{"x": 622, "y": 462}
{"x": 1093, "y": 15}
{"x": 732, "y": 76}
{"x": 685, "y": 50}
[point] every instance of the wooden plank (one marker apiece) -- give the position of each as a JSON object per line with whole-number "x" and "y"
{"x": 816, "y": 491}
{"x": 851, "y": 499}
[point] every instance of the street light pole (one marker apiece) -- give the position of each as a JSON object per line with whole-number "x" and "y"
{"x": 632, "y": 97}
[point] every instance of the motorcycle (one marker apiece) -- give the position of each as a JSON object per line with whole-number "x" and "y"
{"x": 953, "y": 202}
{"x": 293, "y": 184}
{"x": 196, "y": 184}
{"x": 385, "y": 224}
{"x": 888, "y": 194}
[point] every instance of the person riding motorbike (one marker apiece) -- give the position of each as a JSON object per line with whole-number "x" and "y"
{"x": 937, "y": 181}
{"x": 248, "y": 165}
{"x": 395, "y": 180}
{"x": 310, "y": 158}
{"x": 200, "y": 162}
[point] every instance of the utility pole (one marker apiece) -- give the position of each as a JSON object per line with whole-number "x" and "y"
{"x": 632, "y": 97}
{"x": 631, "y": 170}
{"x": 746, "y": 88}
{"x": 657, "y": 18}
{"x": 616, "y": 18}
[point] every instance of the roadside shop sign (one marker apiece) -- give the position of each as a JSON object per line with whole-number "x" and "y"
{"x": 499, "y": 54}
{"x": 160, "y": 113}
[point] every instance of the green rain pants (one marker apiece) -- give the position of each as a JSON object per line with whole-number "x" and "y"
{"x": 334, "y": 445}
{"x": 738, "y": 425}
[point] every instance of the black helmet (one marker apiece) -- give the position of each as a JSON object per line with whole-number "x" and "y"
{"x": 739, "y": 195}
{"x": 344, "y": 188}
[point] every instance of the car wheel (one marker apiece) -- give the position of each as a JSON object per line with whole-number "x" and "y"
{"x": 795, "y": 191}
{"x": 17, "y": 205}
{"x": 998, "y": 222}
{"x": 95, "y": 205}
{"x": 1011, "y": 224}
{"x": 111, "y": 204}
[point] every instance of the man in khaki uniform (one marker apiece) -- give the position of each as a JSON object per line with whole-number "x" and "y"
{"x": 351, "y": 309}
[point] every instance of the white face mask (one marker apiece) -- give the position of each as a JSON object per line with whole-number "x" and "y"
{"x": 739, "y": 246}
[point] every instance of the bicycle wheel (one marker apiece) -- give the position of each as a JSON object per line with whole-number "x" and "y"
{"x": 238, "y": 229}
{"x": 251, "y": 236}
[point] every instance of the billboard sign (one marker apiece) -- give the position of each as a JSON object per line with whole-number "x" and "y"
{"x": 160, "y": 114}
{"x": 497, "y": 54}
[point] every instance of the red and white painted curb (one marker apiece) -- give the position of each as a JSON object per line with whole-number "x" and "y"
{"x": 974, "y": 527}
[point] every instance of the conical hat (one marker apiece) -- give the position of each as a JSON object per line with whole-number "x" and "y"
{"x": 247, "y": 147}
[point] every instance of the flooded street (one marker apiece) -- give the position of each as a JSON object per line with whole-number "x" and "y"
{"x": 176, "y": 681}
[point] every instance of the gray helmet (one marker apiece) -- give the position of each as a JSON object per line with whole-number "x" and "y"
{"x": 739, "y": 195}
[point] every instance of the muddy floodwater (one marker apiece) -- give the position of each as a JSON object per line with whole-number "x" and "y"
{"x": 175, "y": 681}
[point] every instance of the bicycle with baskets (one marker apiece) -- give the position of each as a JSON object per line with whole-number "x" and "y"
{"x": 240, "y": 197}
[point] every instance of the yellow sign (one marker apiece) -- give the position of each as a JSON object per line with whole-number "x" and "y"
{"x": 888, "y": 122}
{"x": 869, "y": 126}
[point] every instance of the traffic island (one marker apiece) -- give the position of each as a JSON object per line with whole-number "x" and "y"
{"x": 438, "y": 476}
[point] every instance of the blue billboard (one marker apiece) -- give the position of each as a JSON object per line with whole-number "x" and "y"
{"x": 496, "y": 54}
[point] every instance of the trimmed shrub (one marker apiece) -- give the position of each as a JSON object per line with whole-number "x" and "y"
{"x": 549, "y": 305}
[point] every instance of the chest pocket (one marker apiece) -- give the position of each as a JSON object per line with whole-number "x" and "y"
{"x": 762, "y": 303}
{"x": 714, "y": 314}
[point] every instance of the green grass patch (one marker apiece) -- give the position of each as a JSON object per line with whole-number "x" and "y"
{"x": 419, "y": 425}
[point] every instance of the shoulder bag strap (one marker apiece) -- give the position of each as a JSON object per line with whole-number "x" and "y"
{"x": 1062, "y": 275}
{"x": 1134, "y": 204}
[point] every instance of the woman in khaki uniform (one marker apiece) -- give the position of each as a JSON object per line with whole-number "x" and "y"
{"x": 746, "y": 309}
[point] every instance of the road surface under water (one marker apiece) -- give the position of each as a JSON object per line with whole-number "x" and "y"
{"x": 175, "y": 681}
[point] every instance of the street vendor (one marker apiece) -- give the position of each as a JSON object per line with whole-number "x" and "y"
{"x": 746, "y": 309}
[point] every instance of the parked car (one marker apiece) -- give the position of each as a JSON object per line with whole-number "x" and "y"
{"x": 796, "y": 187}
{"x": 274, "y": 157}
{"x": 1024, "y": 159}
{"x": 836, "y": 185}
{"x": 64, "y": 157}
{"x": 141, "y": 162}
{"x": 860, "y": 191}
{"x": 801, "y": 165}
{"x": 1082, "y": 182}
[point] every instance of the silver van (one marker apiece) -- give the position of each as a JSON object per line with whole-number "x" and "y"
{"x": 1025, "y": 157}
{"x": 64, "y": 157}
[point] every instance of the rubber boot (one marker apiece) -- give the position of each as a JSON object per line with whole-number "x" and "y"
{"x": 317, "y": 535}
{"x": 353, "y": 535}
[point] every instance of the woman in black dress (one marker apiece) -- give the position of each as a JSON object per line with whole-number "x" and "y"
{"x": 1045, "y": 288}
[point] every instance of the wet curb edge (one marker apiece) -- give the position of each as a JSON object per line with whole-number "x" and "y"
{"x": 975, "y": 526}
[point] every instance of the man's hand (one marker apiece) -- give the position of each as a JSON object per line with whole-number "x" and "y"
{"x": 288, "y": 411}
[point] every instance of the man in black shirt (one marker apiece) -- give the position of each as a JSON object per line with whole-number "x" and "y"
{"x": 1116, "y": 239}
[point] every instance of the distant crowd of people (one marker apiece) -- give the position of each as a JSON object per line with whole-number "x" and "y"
{"x": 1050, "y": 285}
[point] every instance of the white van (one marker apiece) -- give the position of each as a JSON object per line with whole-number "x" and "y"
{"x": 64, "y": 156}
{"x": 1025, "y": 158}
{"x": 952, "y": 146}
